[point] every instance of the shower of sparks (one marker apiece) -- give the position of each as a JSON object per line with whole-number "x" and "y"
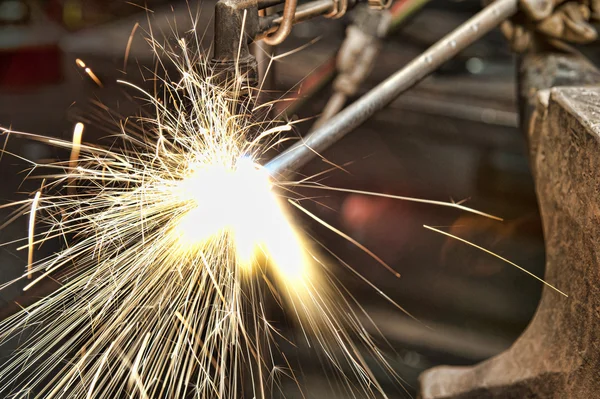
{"x": 174, "y": 246}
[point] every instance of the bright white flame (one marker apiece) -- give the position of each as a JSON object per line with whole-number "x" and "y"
{"x": 240, "y": 200}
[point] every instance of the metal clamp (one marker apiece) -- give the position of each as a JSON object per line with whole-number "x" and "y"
{"x": 236, "y": 24}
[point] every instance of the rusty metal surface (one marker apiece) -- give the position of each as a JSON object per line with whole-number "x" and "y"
{"x": 542, "y": 71}
{"x": 558, "y": 355}
{"x": 236, "y": 23}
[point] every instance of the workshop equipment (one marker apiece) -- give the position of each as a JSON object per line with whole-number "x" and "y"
{"x": 355, "y": 59}
{"x": 558, "y": 355}
{"x": 238, "y": 23}
{"x": 355, "y": 114}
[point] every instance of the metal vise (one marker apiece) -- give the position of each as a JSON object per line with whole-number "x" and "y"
{"x": 558, "y": 355}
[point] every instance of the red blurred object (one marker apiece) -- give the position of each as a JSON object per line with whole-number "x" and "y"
{"x": 29, "y": 52}
{"x": 54, "y": 11}
{"x": 379, "y": 223}
{"x": 30, "y": 66}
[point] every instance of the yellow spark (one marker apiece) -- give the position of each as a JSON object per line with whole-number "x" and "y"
{"x": 99, "y": 370}
{"x": 77, "y": 134}
{"x": 129, "y": 42}
{"x": 403, "y": 198}
{"x": 348, "y": 238}
{"x": 495, "y": 255}
{"x": 92, "y": 75}
{"x": 89, "y": 72}
{"x": 134, "y": 378}
{"x": 30, "y": 236}
{"x": 75, "y": 148}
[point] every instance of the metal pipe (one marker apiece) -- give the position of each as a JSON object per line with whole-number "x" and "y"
{"x": 354, "y": 115}
{"x": 263, "y": 54}
{"x": 285, "y": 27}
{"x": 303, "y": 12}
{"x": 311, "y": 10}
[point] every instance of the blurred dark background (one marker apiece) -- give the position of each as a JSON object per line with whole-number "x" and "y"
{"x": 454, "y": 137}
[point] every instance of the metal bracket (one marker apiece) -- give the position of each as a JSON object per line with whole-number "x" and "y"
{"x": 236, "y": 25}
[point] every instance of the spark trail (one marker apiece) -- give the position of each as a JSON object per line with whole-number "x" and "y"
{"x": 168, "y": 244}
{"x": 174, "y": 245}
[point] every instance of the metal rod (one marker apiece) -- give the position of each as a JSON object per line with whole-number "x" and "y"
{"x": 310, "y": 10}
{"x": 285, "y": 27}
{"x": 263, "y": 54}
{"x": 362, "y": 109}
{"x": 303, "y": 12}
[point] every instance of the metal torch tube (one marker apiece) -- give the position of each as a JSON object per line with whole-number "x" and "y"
{"x": 355, "y": 114}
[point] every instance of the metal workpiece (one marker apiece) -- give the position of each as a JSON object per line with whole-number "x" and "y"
{"x": 236, "y": 25}
{"x": 557, "y": 355}
{"x": 355, "y": 114}
{"x": 541, "y": 71}
{"x": 231, "y": 16}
